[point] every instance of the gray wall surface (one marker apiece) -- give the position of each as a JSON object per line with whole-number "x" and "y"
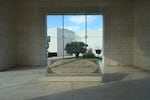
{"x": 31, "y": 28}
{"x": 126, "y": 30}
{"x": 118, "y": 35}
{"x": 7, "y": 35}
{"x": 31, "y": 41}
{"x": 142, "y": 34}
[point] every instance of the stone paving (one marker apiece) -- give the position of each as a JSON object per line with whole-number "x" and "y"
{"x": 74, "y": 67}
{"x": 119, "y": 83}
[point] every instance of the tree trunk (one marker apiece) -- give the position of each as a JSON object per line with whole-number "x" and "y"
{"x": 77, "y": 55}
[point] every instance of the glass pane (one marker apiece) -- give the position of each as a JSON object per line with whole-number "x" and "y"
{"x": 95, "y": 32}
{"x": 66, "y": 29}
{"x": 54, "y": 26}
{"x": 74, "y": 29}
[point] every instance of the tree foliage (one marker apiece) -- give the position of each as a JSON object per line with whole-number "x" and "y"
{"x": 76, "y": 48}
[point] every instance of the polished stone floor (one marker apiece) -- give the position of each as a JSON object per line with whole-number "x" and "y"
{"x": 119, "y": 83}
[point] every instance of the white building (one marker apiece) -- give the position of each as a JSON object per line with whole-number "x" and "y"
{"x": 56, "y": 43}
{"x": 94, "y": 39}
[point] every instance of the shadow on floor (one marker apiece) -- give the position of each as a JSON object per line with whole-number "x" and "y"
{"x": 22, "y": 68}
{"x": 128, "y": 90}
{"x": 110, "y": 77}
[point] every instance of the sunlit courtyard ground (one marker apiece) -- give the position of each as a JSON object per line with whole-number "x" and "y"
{"x": 74, "y": 67}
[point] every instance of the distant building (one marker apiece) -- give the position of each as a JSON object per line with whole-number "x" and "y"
{"x": 56, "y": 43}
{"x": 94, "y": 39}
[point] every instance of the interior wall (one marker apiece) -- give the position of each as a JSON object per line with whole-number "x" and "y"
{"x": 118, "y": 35}
{"x": 7, "y": 34}
{"x": 142, "y": 35}
{"x": 31, "y": 28}
{"x": 30, "y": 40}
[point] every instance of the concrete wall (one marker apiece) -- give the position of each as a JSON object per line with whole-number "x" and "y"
{"x": 7, "y": 34}
{"x": 68, "y": 37}
{"x": 142, "y": 34}
{"x": 31, "y": 41}
{"x": 31, "y": 28}
{"x": 118, "y": 34}
{"x": 52, "y": 32}
{"x": 23, "y": 30}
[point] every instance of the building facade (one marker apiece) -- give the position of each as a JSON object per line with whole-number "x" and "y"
{"x": 59, "y": 39}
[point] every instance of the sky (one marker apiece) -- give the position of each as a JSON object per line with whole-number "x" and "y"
{"x": 75, "y": 22}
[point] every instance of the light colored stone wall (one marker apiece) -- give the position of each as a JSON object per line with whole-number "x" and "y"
{"x": 23, "y": 41}
{"x": 31, "y": 41}
{"x": 31, "y": 28}
{"x": 118, "y": 36}
{"x": 142, "y": 34}
{"x": 7, "y": 34}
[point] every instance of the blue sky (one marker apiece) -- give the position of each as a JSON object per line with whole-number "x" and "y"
{"x": 75, "y": 22}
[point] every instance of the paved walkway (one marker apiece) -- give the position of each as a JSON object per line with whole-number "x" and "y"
{"x": 120, "y": 83}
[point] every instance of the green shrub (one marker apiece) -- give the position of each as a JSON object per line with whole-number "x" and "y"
{"x": 89, "y": 54}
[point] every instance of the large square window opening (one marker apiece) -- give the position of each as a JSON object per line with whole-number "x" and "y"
{"x": 63, "y": 29}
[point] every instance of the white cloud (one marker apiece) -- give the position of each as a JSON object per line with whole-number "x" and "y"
{"x": 91, "y": 18}
{"x": 100, "y": 29}
{"x": 81, "y": 19}
{"x": 77, "y": 19}
{"x": 73, "y": 28}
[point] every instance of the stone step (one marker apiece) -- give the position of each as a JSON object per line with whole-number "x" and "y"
{"x": 74, "y": 70}
{"x": 74, "y": 78}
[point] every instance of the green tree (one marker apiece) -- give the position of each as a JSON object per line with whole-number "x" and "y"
{"x": 76, "y": 48}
